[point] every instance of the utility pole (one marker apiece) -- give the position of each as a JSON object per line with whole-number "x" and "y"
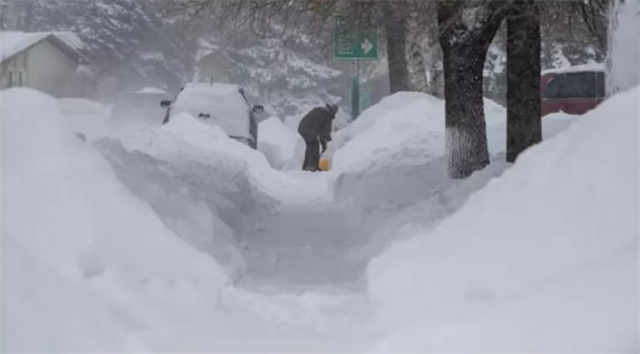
{"x": 355, "y": 93}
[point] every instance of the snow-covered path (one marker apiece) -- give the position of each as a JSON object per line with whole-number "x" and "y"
{"x": 300, "y": 291}
{"x": 304, "y": 245}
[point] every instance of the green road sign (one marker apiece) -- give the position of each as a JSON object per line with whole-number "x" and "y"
{"x": 351, "y": 43}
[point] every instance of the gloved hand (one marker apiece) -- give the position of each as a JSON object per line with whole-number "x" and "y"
{"x": 323, "y": 143}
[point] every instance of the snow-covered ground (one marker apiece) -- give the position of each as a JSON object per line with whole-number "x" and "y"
{"x": 178, "y": 238}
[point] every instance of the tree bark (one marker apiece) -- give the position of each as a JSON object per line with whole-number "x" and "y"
{"x": 466, "y": 31}
{"x": 396, "y": 32}
{"x": 524, "y": 125}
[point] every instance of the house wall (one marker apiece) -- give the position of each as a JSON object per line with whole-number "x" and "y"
{"x": 44, "y": 67}
{"x": 50, "y": 70}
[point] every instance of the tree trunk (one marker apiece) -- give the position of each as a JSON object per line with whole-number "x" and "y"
{"x": 466, "y": 137}
{"x": 467, "y": 29}
{"x": 524, "y": 125}
{"x": 396, "y": 32}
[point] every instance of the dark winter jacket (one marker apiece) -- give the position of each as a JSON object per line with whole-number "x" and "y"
{"x": 316, "y": 125}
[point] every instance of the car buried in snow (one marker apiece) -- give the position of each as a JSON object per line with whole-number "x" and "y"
{"x": 573, "y": 90}
{"x": 222, "y": 105}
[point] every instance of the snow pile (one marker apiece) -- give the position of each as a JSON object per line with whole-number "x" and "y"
{"x": 542, "y": 259}
{"x": 214, "y": 141}
{"x": 86, "y": 117}
{"x": 398, "y": 121}
{"x": 283, "y": 147}
{"x": 85, "y": 265}
{"x": 221, "y": 170}
{"x": 395, "y": 152}
{"x": 215, "y": 169}
{"x": 407, "y": 125}
{"x": 396, "y": 148}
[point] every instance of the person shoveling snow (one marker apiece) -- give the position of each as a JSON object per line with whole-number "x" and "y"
{"x": 315, "y": 129}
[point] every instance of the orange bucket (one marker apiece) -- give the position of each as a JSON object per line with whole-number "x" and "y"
{"x": 324, "y": 165}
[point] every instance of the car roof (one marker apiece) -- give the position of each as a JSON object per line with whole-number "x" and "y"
{"x": 152, "y": 90}
{"x": 592, "y": 67}
{"x": 214, "y": 89}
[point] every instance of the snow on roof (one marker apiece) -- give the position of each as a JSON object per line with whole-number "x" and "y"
{"x": 222, "y": 102}
{"x": 12, "y": 43}
{"x": 217, "y": 89}
{"x": 154, "y": 90}
{"x": 576, "y": 68}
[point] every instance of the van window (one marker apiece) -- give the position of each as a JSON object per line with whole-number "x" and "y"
{"x": 576, "y": 85}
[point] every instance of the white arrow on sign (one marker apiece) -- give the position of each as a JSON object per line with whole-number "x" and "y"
{"x": 366, "y": 46}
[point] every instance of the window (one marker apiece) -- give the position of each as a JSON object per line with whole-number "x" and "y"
{"x": 589, "y": 84}
{"x": 554, "y": 87}
{"x": 20, "y": 78}
{"x": 600, "y": 85}
{"x": 11, "y": 78}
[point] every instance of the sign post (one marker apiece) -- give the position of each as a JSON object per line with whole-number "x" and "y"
{"x": 353, "y": 43}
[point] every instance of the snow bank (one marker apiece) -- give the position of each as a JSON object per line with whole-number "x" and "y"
{"x": 85, "y": 265}
{"x": 394, "y": 152}
{"x": 542, "y": 259}
{"x": 184, "y": 132}
{"x": 221, "y": 170}
{"x": 283, "y": 147}
{"x": 406, "y": 120}
{"x": 86, "y": 117}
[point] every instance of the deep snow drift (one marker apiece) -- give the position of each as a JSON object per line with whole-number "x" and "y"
{"x": 85, "y": 265}
{"x": 542, "y": 259}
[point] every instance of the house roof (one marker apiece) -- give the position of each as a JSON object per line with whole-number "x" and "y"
{"x": 12, "y": 43}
